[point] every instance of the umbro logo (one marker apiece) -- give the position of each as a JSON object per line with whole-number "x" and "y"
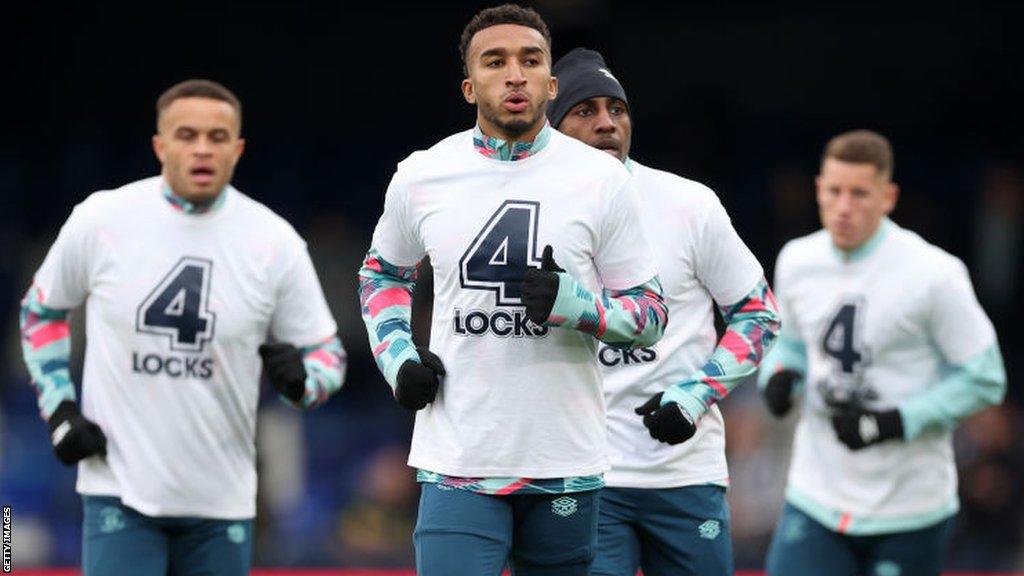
{"x": 710, "y": 529}
{"x": 564, "y": 506}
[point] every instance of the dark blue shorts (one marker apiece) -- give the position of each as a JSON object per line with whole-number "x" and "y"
{"x": 669, "y": 531}
{"x": 802, "y": 545}
{"x": 118, "y": 540}
{"x": 462, "y": 533}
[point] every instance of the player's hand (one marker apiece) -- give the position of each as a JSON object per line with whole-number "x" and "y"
{"x": 418, "y": 381}
{"x": 540, "y": 288}
{"x": 285, "y": 369}
{"x": 669, "y": 423}
{"x": 859, "y": 428}
{"x": 778, "y": 393}
{"x": 75, "y": 437}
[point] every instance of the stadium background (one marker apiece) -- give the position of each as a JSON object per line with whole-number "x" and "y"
{"x": 739, "y": 95}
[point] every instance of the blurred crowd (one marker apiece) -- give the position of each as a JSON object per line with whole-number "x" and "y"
{"x": 334, "y": 486}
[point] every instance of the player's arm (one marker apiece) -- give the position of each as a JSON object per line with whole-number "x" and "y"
{"x": 46, "y": 348}
{"x": 751, "y": 326}
{"x": 784, "y": 367}
{"x": 385, "y": 296}
{"x": 305, "y": 377}
{"x": 60, "y": 284}
{"x": 306, "y": 363}
{"x": 969, "y": 387}
{"x": 782, "y": 372}
{"x": 975, "y": 378}
{"x": 619, "y": 318}
{"x": 630, "y": 311}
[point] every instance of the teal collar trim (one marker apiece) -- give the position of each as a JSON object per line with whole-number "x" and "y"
{"x": 506, "y": 151}
{"x": 179, "y": 203}
{"x": 866, "y": 249}
{"x": 630, "y": 165}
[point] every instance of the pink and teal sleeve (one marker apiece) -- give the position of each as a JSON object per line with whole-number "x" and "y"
{"x": 752, "y": 325}
{"x": 385, "y": 296}
{"x": 46, "y": 347}
{"x": 325, "y": 365}
{"x": 620, "y": 318}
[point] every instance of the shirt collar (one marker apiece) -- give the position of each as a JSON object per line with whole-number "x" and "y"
{"x": 179, "y": 203}
{"x": 506, "y": 151}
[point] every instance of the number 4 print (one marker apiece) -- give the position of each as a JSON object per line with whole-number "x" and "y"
{"x": 502, "y": 251}
{"x": 179, "y": 306}
{"x": 842, "y": 340}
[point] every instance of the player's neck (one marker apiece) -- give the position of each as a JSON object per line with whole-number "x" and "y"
{"x": 500, "y": 147}
{"x": 181, "y": 203}
{"x": 866, "y": 248}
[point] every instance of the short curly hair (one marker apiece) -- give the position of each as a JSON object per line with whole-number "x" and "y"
{"x": 504, "y": 14}
{"x": 198, "y": 88}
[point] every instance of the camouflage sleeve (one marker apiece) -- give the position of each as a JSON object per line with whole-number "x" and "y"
{"x": 46, "y": 347}
{"x": 325, "y": 365}
{"x": 385, "y": 295}
{"x": 752, "y": 325}
{"x": 620, "y": 318}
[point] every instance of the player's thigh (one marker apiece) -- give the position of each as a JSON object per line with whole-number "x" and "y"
{"x": 555, "y": 534}
{"x": 801, "y": 545}
{"x": 207, "y": 547}
{"x": 686, "y": 531}
{"x": 618, "y": 548}
{"x": 459, "y": 532}
{"x": 915, "y": 553}
{"x": 118, "y": 540}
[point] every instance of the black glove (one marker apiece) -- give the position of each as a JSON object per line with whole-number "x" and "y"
{"x": 418, "y": 381}
{"x": 778, "y": 393}
{"x": 540, "y": 288}
{"x": 858, "y": 428}
{"x": 74, "y": 437}
{"x": 285, "y": 369}
{"x": 668, "y": 423}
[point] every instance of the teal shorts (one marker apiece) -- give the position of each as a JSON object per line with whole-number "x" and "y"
{"x": 802, "y": 545}
{"x": 664, "y": 531}
{"x": 118, "y": 540}
{"x": 462, "y": 533}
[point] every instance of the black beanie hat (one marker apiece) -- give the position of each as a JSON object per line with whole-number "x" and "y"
{"x": 582, "y": 74}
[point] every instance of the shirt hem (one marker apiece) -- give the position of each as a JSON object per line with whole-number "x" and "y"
{"x": 531, "y": 473}
{"x": 860, "y": 525}
{"x": 156, "y": 511}
{"x": 611, "y": 481}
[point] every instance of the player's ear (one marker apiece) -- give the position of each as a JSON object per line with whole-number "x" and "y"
{"x": 158, "y": 147}
{"x": 892, "y": 193}
{"x": 239, "y": 148}
{"x": 467, "y": 91}
{"x": 553, "y": 88}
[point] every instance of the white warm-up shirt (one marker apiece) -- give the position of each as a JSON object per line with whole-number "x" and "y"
{"x": 176, "y": 306}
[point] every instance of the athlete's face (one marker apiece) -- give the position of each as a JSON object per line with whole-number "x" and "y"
{"x": 198, "y": 144}
{"x": 509, "y": 80}
{"x": 852, "y": 200}
{"x": 602, "y": 122}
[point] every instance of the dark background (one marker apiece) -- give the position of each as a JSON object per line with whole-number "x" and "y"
{"x": 739, "y": 95}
